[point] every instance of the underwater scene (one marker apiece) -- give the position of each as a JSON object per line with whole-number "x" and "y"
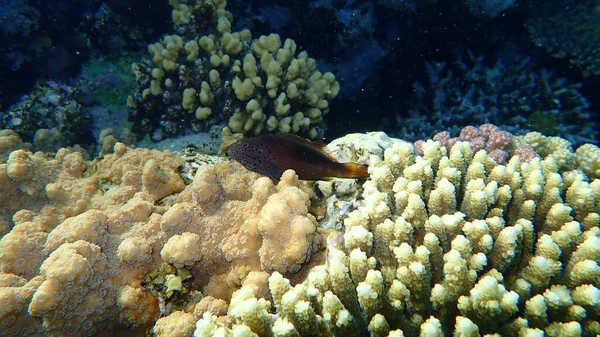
{"x": 280, "y": 168}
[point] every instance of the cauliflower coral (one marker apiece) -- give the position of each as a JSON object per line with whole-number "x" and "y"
{"x": 84, "y": 239}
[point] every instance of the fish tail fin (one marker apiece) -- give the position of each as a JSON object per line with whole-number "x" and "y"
{"x": 353, "y": 170}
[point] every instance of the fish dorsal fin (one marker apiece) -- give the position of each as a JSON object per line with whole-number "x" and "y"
{"x": 321, "y": 146}
{"x": 296, "y": 138}
{"x": 318, "y": 144}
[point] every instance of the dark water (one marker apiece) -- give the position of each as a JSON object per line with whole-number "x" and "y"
{"x": 410, "y": 68}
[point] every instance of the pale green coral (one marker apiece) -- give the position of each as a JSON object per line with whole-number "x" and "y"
{"x": 586, "y": 157}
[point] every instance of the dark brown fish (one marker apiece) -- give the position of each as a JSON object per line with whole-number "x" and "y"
{"x": 271, "y": 155}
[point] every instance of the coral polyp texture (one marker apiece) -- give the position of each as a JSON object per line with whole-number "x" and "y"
{"x": 98, "y": 248}
{"x": 499, "y": 144}
{"x": 194, "y": 81}
{"x": 439, "y": 243}
{"x": 445, "y": 243}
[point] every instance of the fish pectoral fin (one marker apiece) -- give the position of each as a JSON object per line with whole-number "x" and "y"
{"x": 274, "y": 172}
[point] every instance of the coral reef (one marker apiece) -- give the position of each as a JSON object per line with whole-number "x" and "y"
{"x": 447, "y": 243}
{"x": 516, "y": 96}
{"x": 497, "y": 143}
{"x": 105, "y": 247}
{"x": 195, "y": 81}
{"x": 41, "y": 40}
{"x": 50, "y": 117}
{"x": 585, "y": 158}
{"x": 573, "y": 34}
{"x": 9, "y": 141}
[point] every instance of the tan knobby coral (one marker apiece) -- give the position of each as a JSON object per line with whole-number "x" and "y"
{"x": 86, "y": 236}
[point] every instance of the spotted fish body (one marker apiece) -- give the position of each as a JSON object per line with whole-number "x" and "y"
{"x": 271, "y": 155}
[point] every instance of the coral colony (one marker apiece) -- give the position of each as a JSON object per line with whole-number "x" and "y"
{"x": 478, "y": 213}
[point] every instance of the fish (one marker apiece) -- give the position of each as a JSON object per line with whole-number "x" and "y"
{"x": 273, "y": 154}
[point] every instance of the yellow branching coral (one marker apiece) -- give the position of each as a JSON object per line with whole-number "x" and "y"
{"x": 454, "y": 244}
{"x": 251, "y": 85}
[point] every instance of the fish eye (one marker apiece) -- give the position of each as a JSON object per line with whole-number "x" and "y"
{"x": 244, "y": 144}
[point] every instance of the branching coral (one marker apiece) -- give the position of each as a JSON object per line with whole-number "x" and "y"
{"x": 497, "y": 143}
{"x": 195, "y": 81}
{"x": 446, "y": 243}
{"x": 516, "y": 96}
{"x": 573, "y": 34}
{"x": 586, "y": 157}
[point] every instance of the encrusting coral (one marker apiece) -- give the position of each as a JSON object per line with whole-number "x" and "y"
{"x": 443, "y": 243}
{"x": 64, "y": 251}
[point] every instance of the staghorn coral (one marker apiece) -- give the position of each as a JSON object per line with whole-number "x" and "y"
{"x": 514, "y": 95}
{"x": 85, "y": 238}
{"x": 445, "y": 243}
{"x": 194, "y": 81}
